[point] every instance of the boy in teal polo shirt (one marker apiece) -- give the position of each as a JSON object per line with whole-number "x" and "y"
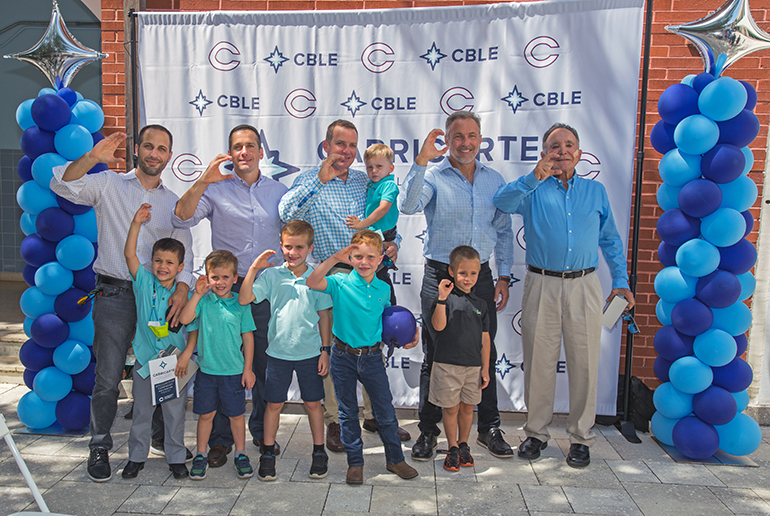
{"x": 359, "y": 299}
{"x": 224, "y": 325}
{"x": 299, "y": 336}
{"x": 151, "y": 291}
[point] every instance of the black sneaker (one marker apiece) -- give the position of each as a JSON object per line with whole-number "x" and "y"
{"x": 179, "y": 471}
{"x": 99, "y": 465}
{"x": 466, "y": 459}
{"x": 319, "y": 468}
{"x": 423, "y": 448}
{"x": 493, "y": 441}
{"x": 156, "y": 447}
{"x": 452, "y": 460}
{"x": 266, "y": 471}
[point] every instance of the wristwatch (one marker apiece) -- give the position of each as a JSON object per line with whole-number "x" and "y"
{"x": 441, "y": 301}
{"x": 506, "y": 279}
{"x": 328, "y": 349}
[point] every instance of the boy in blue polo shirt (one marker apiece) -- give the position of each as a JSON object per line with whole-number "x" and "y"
{"x": 224, "y": 325}
{"x": 359, "y": 299}
{"x": 151, "y": 291}
{"x": 299, "y": 335}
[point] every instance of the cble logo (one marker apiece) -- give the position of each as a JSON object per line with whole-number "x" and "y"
{"x": 433, "y": 56}
{"x": 219, "y": 58}
{"x": 295, "y": 108}
{"x": 515, "y": 99}
{"x": 540, "y": 60}
{"x": 276, "y": 59}
{"x": 181, "y": 162}
{"x": 353, "y": 104}
{"x": 591, "y": 159}
{"x": 370, "y": 57}
{"x": 450, "y": 94}
{"x": 516, "y": 322}
{"x": 200, "y": 102}
{"x": 520, "y": 239}
{"x": 421, "y": 236}
{"x": 503, "y": 366}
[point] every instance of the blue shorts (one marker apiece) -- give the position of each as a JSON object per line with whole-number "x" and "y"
{"x": 223, "y": 393}
{"x": 278, "y": 376}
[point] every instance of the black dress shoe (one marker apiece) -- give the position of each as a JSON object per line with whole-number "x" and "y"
{"x": 423, "y": 448}
{"x": 530, "y": 448}
{"x": 132, "y": 469}
{"x": 179, "y": 471}
{"x": 493, "y": 441}
{"x": 579, "y": 456}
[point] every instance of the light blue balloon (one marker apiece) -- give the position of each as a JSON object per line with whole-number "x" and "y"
{"x": 690, "y": 375}
{"x": 735, "y": 319}
{"x": 663, "y": 312}
{"x": 42, "y": 168}
{"x": 748, "y": 284}
{"x": 53, "y": 279}
{"x": 33, "y": 198}
{"x": 724, "y": 227}
{"x": 671, "y": 402}
{"x": 35, "y": 413}
{"x": 668, "y": 196}
{"x": 741, "y": 436}
{"x": 672, "y": 285}
{"x": 677, "y": 168}
{"x": 72, "y": 141}
{"x": 697, "y": 258}
{"x": 739, "y": 194}
{"x": 52, "y": 384}
{"x": 82, "y": 331}
{"x": 88, "y": 114}
{"x": 27, "y": 326}
{"x": 742, "y": 399}
{"x": 722, "y": 99}
{"x": 24, "y": 114}
{"x": 85, "y": 225}
{"x": 72, "y": 357}
{"x": 46, "y": 91}
{"x": 34, "y": 303}
{"x": 696, "y": 134}
{"x": 688, "y": 81}
{"x": 715, "y": 347}
{"x": 78, "y": 95}
{"x": 75, "y": 252}
{"x": 27, "y": 223}
{"x": 749, "y": 160}
{"x": 662, "y": 427}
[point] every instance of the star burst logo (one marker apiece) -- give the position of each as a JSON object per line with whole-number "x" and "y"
{"x": 433, "y": 56}
{"x": 515, "y": 99}
{"x": 276, "y": 59}
{"x": 353, "y": 104}
{"x": 271, "y": 165}
{"x": 200, "y": 102}
{"x": 503, "y": 366}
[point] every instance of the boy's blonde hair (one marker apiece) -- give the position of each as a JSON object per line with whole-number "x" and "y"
{"x": 379, "y": 150}
{"x": 298, "y": 227}
{"x": 367, "y": 237}
{"x": 221, "y": 258}
{"x": 462, "y": 253}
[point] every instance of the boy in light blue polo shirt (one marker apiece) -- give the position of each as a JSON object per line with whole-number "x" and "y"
{"x": 224, "y": 325}
{"x": 299, "y": 335}
{"x": 151, "y": 291}
{"x": 359, "y": 299}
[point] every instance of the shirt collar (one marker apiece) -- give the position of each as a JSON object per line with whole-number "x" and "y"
{"x": 131, "y": 176}
{"x": 382, "y": 181}
{"x": 226, "y": 302}
{"x": 284, "y": 269}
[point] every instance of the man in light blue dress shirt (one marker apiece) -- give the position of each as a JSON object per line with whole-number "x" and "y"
{"x": 243, "y": 211}
{"x": 566, "y": 220}
{"x": 456, "y": 197}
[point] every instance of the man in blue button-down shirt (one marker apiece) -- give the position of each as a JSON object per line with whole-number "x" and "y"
{"x": 456, "y": 196}
{"x": 566, "y": 219}
{"x": 243, "y": 211}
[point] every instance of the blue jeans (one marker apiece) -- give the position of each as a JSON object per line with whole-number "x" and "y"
{"x": 346, "y": 370}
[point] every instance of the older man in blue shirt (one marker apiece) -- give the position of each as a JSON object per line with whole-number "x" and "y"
{"x": 456, "y": 196}
{"x": 566, "y": 219}
{"x": 243, "y": 211}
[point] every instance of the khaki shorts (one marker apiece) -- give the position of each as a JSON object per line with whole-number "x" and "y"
{"x": 451, "y": 384}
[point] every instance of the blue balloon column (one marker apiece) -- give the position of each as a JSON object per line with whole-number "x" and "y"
{"x": 59, "y": 250}
{"x": 706, "y": 126}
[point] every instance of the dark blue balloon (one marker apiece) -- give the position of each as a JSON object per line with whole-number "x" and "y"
{"x": 672, "y": 345}
{"x": 723, "y": 163}
{"x": 691, "y": 317}
{"x": 715, "y": 406}
{"x": 737, "y": 258}
{"x": 34, "y": 356}
{"x": 742, "y": 341}
{"x": 36, "y": 250}
{"x": 733, "y": 377}
{"x": 53, "y": 224}
{"x": 99, "y": 167}
{"x": 70, "y": 207}
{"x": 83, "y": 382}
{"x": 719, "y": 289}
{"x": 24, "y": 168}
{"x": 662, "y": 137}
{"x": 73, "y": 412}
{"x": 661, "y": 367}
{"x": 29, "y": 378}
{"x": 675, "y": 227}
{"x": 700, "y": 197}
{"x": 66, "y": 305}
{"x": 667, "y": 254}
{"x": 28, "y": 273}
{"x": 749, "y": 222}
{"x": 739, "y": 131}
{"x": 695, "y": 439}
{"x": 48, "y": 330}
{"x": 97, "y": 137}
{"x": 35, "y": 142}
{"x": 701, "y": 81}
{"x": 69, "y": 95}
{"x": 677, "y": 102}
{"x": 50, "y": 112}
{"x": 84, "y": 279}
{"x": 751, "y": 96}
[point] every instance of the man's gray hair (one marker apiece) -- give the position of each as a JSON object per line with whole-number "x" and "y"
{"x": 560, "y": 125}
{"x": 461, "y": 115}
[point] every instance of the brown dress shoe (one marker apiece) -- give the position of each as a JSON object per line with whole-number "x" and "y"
{"x": 218, "y": 455}
{"x": 370, "y": 425}
{"x": 403, "y": 470}
{"x": 355, "y": 475}
{"x": 259, "y": 443}
{"x": 333, "y": 441}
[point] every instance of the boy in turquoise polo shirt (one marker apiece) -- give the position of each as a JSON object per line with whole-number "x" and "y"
{"x": 151, "y": 292}
{"x": 299, "y": 336}
{"x": 224, "y": 325}
{"x": 359, "y": 299}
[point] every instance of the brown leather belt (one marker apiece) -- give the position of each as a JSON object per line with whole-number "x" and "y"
{"x": 363, "y": 350}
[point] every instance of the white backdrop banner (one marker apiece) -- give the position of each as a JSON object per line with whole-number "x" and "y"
{"x": 397, "y": 74}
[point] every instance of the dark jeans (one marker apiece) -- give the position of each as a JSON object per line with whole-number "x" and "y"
{"x": 430, "y": 414}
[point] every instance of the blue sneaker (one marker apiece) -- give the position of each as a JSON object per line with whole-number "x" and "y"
{"x": 243, "y": 467}
{"x": 199, "y": 466}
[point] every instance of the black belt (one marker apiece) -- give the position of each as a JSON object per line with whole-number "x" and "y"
{"x": 562, "y": 274}
{"x": 363, "y": 350}
{"x": 441, "y": 266}
{"x": 115, "y": 282}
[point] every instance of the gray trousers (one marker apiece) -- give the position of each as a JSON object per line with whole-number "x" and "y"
{"x": 173, "y": 418}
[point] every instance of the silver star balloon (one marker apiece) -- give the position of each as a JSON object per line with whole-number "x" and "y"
{"x": 58, "y": 54}
{"x": 724, "y": 36}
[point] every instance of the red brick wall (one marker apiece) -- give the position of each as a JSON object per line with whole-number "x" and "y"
{"x": 671, "y": 59}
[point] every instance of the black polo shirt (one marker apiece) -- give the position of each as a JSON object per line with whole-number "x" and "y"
{"x": 459, "y": 343}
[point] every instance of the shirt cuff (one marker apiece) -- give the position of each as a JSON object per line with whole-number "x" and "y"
{"x": 531, "y": 181}
{"x": 182, "y": 224}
